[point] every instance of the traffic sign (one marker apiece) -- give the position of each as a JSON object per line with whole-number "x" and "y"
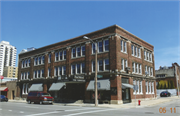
{"x": 98, "y": 85}
{"x": 1, "y": 77}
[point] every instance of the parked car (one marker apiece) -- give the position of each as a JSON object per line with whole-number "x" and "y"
{"x": 4, "y": 98}
{"x": 165, "y": 94}
{"x": 39, "y": 97}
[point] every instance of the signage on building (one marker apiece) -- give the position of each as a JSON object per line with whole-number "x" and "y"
{"x": 79, "y": 77}
{"x": 99, "y": 76}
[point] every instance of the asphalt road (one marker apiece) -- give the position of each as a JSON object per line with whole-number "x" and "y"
{"x": 24, "y": 109}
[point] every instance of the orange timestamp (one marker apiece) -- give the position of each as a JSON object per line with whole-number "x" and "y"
{"x": 163, "y": 110}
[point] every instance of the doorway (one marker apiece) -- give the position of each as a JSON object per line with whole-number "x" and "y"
{"x": 13, "y": 96}
{"x": 126, "y": 95}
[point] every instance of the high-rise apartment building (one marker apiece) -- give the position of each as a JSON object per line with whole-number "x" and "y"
{"x": 10, "y": 71}
{"x": 7, "y": 55}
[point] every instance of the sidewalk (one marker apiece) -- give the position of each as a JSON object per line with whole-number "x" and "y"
{"x": 144, "y": 103}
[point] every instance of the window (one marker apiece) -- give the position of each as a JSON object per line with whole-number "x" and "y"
{"x": 56, "y": 71}
{"x": 73, "y": 53}
{"x": 139, "y": 52}
{"x": 39, "y": 60}
{"x": 150, "y": 57}
{"x": 140, "y": 69}
{"x": 147, "y": 55}
{"x": 135, "y": 51}
{"x": 140, "y": 87}
{"x": 26, "y": 63}
{"x": 42, "y": 73}
{"x": 77, "y": 68}
{"x": 121, "y": 45}
{"x": 122, "y": 64}
{"x": 106, "y": 45}
{"x": 23, "y": 89}
{"x": 106, "y": 62}
{"x": 35, "y": 61}
{"x": 78, "y": 51}
{"x": 64, "y": 54}
{"x": 133, "y": 67}
{"x": 136, "y": 68}
{"x": 83, "y": 67}
{"x": 60, "y": 71}
{"x": 125, "y": 50}
{"x": 22, "y": 65}
{"x": 149, "y": 87}
{"x": 134, "y": 83}
{"x": 49, "y": 72}
{"x": 56, "y": 56}
{"x": 144, "y": 54}
{"x": 28, "y": 75}
{"x": 93, "y": 66}
{"x": 29, "y": 62}
{"x": 73, "y": 69}
{"x": 25, "y": 75}
{"x": 100, "y": 67}
{"x": 146, "y": 69}
{"x": 132, "y": 49}
{"x": 38, "y": 73}
{"x": 35, "y": 74}
{"x": 83, "y": 50}
{"x": 49, "y": 58}
{"x": 152, "y": 87}
{"x": 27, "y": 88}
{"x": 64, "y": 70}
{"x": 100, "y": 46}
{"x": 43, "y": 59}
{"x": 146, "y": 87}
{"x": 93, "y": 48}
{"x": 151, "y": 71}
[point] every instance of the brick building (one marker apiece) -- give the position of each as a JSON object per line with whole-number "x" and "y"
{"x": 67, "y": 69}
{"x": 170, "y": 76}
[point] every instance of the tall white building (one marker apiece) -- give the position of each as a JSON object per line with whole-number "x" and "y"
{"x": 7, "y": 55}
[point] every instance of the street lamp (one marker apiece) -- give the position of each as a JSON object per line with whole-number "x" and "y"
{"x": 95, "y": 82}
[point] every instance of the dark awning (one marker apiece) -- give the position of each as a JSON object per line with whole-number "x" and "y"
{"x": 3, "y": 88}
{"x": 36, "y": 87}
{"x": 56, "y": 86}
{"x": 125, "y": 85}
{"x": 102, "y": 85}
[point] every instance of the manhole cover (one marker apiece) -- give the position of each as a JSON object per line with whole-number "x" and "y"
{"x": 149, "y": 112}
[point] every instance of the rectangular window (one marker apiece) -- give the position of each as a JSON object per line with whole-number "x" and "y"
{"x": 106, "y": 45}
{"x": 64, "y": 54}
{"x": 60, "y": 55}
{"x": 56, "y": 56}
{"x": 147, "y": 55}
{"x": 49, "y": 72}
{"x": 35, "y": 74}
{"x": 93, "y": 48}
{"x": 135, "y": 51}
{"x": 144, "y": 54}
{"x": 42, "y": 73}
{"x": 125, "y": 64}
{"x": 100, "y": 63}
{"x": 60, "y": 71}
{"x": 73, "y": 52}
{"x": 151, "y": 71}
{"x": 139, "y": 52}
{"x": 122, "y": 64}
{"x": 93, "y": 66}
{"x": 150, "y": 57}
{"x": 146, "y": 87}
{"x": 78, "y": 68}
{"x": 106, "y": 64}
{"x": 125, "y": 47}
{"x": 28, "y": 75}
{"x": 121, "y": 45}
{"x": 43, "y": 59}
{"x": 100, "y": 47}
{"x": 25, "y": 74}
{"x": 56, "y": 71}
{"x": 134, "y": 83}
{"x": 49, "y": 58}
{"x": 136, "y": 68}
{"x": 38, "y": 73}
{"x": 83, "y": 67}
{"x": 83, "y": 50}
{"x": 78, "y": 51}
{"x": 64, "y": 70}
{"x": 132, "y": 49}
{"x": 36, "y": 62}
{"x": 149, "y": 87}
{"x": 73, "y": 69}
{"x": 152, "y": 87}
{"x": 140, "y": 69}
{"x": 133, "y": 67}
{"x": 26, "y": 63}
{"x": 140, "y": 87}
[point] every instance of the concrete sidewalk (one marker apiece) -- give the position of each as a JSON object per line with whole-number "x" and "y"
{"x": 144, "y": 103}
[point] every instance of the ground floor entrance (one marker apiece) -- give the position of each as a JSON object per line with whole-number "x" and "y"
{"x": 126, "y": 98}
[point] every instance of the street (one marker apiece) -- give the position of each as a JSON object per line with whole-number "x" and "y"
{"x": 24, "y": 109}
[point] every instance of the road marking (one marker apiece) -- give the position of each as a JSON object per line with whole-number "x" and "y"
{"x": 10, "y": 110}
{"x": 31, "y": 107}
{"x": 81, "y": 109}
{"x": 89, "y": 112}
{"x": 42, "y": 113}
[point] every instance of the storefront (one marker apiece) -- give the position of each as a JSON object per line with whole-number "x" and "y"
{"x": 4, "y": 91}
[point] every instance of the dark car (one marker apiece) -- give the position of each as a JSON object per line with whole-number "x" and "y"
{"x": 4, "y": 98}
{"x": 39, "y": 97}
{"x": 165, "y": 94}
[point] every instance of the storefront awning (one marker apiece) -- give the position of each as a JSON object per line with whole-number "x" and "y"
{"x": 56, "y": 86}
{"x": 101, "y": 85}
{"x": 36, "y": 87}
{"x": 125, "y": 85}
{"x": 3, "y": 88}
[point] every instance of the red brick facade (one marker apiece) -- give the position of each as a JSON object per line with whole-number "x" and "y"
{"x": 114, "y": 34}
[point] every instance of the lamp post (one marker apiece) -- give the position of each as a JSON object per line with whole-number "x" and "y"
{"x": 95, "y": 82}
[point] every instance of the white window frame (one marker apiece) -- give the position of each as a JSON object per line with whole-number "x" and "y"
{"x": 98, "y": 65}
{"x": 144, "y": 55}
{"x": 82, "y": 68}
{"x": 152, "y": 84}
{"x": 76, "y": 68}
{"x": 72, "y": 53}
{"x": 122, "y": 45}
{"x": 134, "y": 83}
{"x": 22, "y": 76}
{"x": 132, "y": 50}
{"x": 150, "y": 57}
{"x": 140, "y": 69}
{"x": 23, "y": 88}
{"x": 105, "y": 46}
{"x": 92, "y": 48}
{"x": 27, "y": 88}
{"x": 77, "y": 51}
{"x": 98, "y": 46}
{"x": 138, "y": 87}
{"x": 141, "y": 87}
{"x": 42, "y": 59}
{"x": 122, "y": 64}
{"x": 125, "y": 47}
{"x": 82, "y": 50}
{"x": 147, "y": 57}
{"x": 104, "y": 64}
{"x": 49, "y": 59}
{"x": 57, "y": 56}
{"x": 151, "y": 71}
{"x": 64, "y": 55}
{"x": 147, "y": 90}
{"x": 134, "y": 67}
{"x": 63, "y": 70}
{"x": 137, "y": 68}
{"x": 72, "y": 69}
{"x": 92, "y": 65}
{"x": 139, "y": 52}
{"x": 149, "y": 87}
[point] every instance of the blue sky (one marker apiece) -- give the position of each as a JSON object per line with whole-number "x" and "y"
{"x": 36, "y": 24}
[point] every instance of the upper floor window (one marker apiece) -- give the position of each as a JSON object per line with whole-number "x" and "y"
{"x": 78, "y": 68}
{"x": 100, "y": 46}
{"x": 82, "y": 50}
{"x": 106, "y": 45}
{"x": 60, "y": 55}
{"x": 64, "y": 70}
{"x": 136, "y": 51}
{"x": 49, "y": 58}
{"x": 43, "y": 59}
{"x": 137, "y": 68}
{"x": 123, "y": 46}
{"x": 73, "y": 52}
{"x": 83, "y": 67}
{"x": 29, "y": 62}
{"x": 35, "y": 61}
{"x": 73, "y": 69}
{"x": 56, "y": 56}
{"x": 100, "y": 65}
{"x": 22, "y": 64}
{"x": 78, "y": 51}
{"x": 123, "y": 64}
{"x": 93, "y": 48}
{"x": 49, "y": 72}
{"x": 64, "y": 55}
{"x": 106, "y": 63}
{"x": 39, "y": 60}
